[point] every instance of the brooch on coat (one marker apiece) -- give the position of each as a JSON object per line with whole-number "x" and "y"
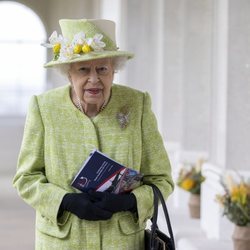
{"x": 123, "y": 117}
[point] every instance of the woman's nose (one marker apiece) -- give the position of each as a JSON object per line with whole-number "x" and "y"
{"x": 93, "y": 76}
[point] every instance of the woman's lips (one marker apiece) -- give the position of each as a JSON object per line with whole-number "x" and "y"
{"x": 93, "y": 91}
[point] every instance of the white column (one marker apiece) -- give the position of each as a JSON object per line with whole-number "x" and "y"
{"x": 145, "y": 37}
{"x": 211, "y": 220}
{"x": 197, "y": 37}
{"x": 172, "y": 75}
{"x": 219, "y": 83}
{"x": 230, "y": 85}
{"x": 153, "y": 34}
{"x": 194, "y": 100}
{"x": 238, "y": 111}
{"x": 160, "y": 49}
{"x": 230, "y": 133}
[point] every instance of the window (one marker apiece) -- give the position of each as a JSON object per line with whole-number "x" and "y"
{"x": 22, "y": 57}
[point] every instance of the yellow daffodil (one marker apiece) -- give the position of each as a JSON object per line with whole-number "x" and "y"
{"x": 64, "y": 50}
{"x": 190, "y": 178}
{"x": 235, "y": 200}
{"x": 86, "y": 48}
{"x": 187, "y": 184}
{"x": 239, "y": 194}
{"x": 77, "y": 48}
{"x": 56, "y": 48}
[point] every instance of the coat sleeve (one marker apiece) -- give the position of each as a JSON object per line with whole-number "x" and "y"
{"x": 155, "y": 164}
{"x": 30, "y": 178}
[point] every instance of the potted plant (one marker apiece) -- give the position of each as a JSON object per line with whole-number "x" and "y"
{"x": 190, "y": 179}
{"x": 235, "y": 202}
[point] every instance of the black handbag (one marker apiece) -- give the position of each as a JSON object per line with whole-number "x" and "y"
{"x": 154, "y": 238}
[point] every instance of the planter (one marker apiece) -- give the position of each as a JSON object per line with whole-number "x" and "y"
{"x": 241, "y": 238}
{"x": 194, "y": 206}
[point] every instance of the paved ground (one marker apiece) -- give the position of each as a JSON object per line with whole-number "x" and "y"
{"x": 17, "y": 219}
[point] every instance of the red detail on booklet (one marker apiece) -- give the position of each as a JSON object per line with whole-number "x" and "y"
{"x": 101, "y": 173}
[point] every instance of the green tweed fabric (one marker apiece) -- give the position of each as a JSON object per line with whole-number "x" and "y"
{"x": 57, "y": 140}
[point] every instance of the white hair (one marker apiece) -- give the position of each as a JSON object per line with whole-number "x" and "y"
{"x": 118, "y": 63}
{"x": 63, "y": 69}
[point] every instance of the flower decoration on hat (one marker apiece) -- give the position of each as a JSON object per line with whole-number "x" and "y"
{"x": 64, "y": 50}
{"x": 55, "y": 42}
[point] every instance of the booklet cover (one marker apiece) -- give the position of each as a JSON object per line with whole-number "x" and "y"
{"x": 100, "y": 173}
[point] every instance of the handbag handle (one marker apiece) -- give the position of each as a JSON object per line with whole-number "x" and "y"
{"x": 158, "y": 195}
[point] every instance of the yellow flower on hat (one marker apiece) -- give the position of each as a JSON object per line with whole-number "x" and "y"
{"x": 55, "y": 43}
{"x": 56, "y": 48}
{"x": 77, "y": 48}
{"x": 95, "y": 36}
{"x": 64, "y": 50}
{"x": 86, "y": 48}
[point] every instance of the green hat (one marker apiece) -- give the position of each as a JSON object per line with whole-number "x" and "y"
{"x": 84, "y": 40}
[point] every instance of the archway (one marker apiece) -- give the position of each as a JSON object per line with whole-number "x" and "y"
{"x": 22, "y": 74}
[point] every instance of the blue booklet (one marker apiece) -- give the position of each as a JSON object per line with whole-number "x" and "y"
{"x": 100, "y": 173}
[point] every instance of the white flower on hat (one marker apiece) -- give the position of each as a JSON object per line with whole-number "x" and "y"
{"x": 54, "y": 38}
{"x": 96, "y": 42}
{"x": 81, "y": 43}
{"x": 66, "y": 52}
{"x": 55, "y": 42}
{"x": 79, "y": 38}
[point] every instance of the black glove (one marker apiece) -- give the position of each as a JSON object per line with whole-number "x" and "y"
{"x": 83, "y": 206}
{"x": 114, "y": 202}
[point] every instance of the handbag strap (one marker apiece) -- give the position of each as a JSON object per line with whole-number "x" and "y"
{"x": 158, "y": 195}
{"x": 154, "y": 225}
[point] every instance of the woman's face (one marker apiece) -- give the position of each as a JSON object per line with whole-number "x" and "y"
{"x": 92, "y": 80}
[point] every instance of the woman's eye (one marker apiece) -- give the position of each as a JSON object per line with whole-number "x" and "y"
{"x": 102, "y": 70}
{"x": 84, "y": 70}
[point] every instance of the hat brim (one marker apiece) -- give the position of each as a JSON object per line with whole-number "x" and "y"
{"x": 93, "y": 55}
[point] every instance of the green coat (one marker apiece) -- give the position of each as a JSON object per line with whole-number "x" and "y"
{"x": 58, "y": 138}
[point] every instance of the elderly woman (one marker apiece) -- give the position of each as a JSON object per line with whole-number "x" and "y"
{"x": 65, "y": 124}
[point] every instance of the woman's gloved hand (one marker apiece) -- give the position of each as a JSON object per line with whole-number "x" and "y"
{"x": 114, "y": 202}
{"x": 84, "y": 207}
